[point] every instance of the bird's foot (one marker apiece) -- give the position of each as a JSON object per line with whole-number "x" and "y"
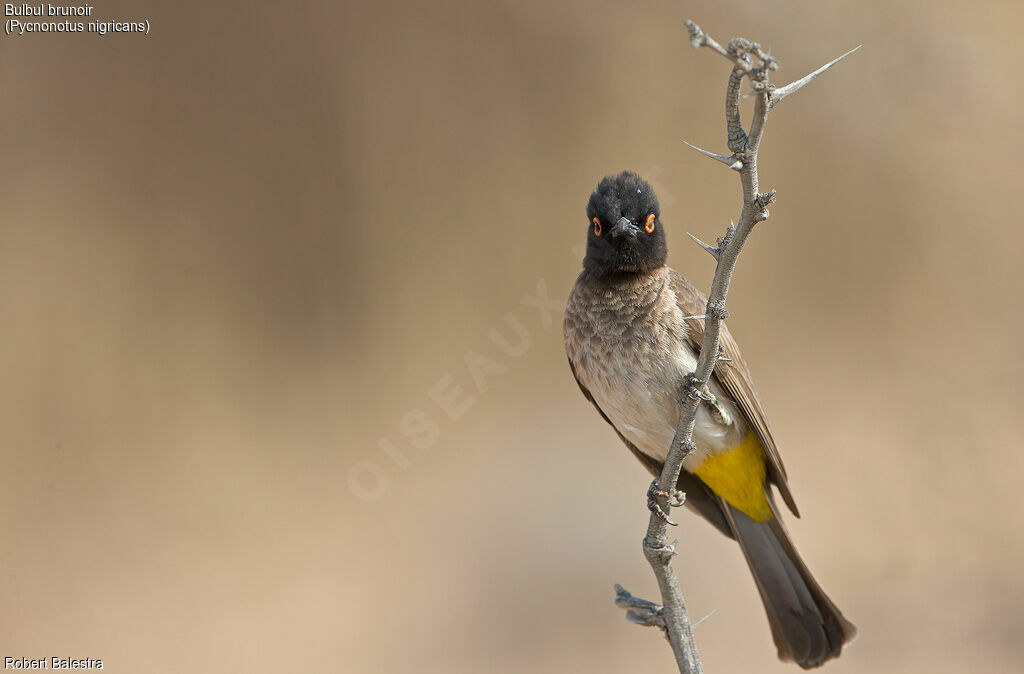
{"x": 697, "y": 389}
{"x": 675, "y": 499}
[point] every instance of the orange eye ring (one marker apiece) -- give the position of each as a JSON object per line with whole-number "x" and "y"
{"x": 597, "y": 227}
{"x": 649, "y": 225}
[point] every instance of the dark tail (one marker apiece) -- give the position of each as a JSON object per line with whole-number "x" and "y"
{"x": 807, "y": 627}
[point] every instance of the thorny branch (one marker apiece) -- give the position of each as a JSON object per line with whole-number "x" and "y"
{"x": 751, "y": 62}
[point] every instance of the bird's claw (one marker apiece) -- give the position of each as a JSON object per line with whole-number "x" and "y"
{"x": 675, "y": 499}
{"x": 697, "y": 389}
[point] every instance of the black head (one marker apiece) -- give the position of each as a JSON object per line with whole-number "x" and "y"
{"x": 626, "y": 236}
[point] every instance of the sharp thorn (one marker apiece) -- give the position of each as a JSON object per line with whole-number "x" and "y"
{"x": 705, "y": 617}
{"x": 729, "y": 160}
{"x": 755, "y": 92}
{"x": 781, "y": 93}
{"x": 709, "y": 248}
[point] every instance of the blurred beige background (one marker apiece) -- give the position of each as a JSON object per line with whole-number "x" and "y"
{"x": 236, "y": 254}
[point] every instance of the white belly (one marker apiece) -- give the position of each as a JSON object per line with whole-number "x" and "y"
{"x": 642, "y": 404}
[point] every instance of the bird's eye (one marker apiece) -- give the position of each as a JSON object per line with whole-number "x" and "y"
{"x": 597, "y": 227}
{"x": 649, "y": 225}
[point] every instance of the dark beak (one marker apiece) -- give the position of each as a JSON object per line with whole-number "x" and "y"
{"x": 624, "y": 227}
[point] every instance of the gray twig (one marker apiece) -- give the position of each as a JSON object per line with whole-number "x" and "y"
{"x": 752, "y": 62}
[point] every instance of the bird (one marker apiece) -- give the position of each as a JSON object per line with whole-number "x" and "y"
{"x": 633, "y": 330}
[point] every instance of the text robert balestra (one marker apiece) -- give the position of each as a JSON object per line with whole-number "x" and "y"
{"x": 52, "y": 663}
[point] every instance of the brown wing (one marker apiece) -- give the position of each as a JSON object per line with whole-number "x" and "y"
{"x": 699, "y": 497}
{"x": 734, "y": 377}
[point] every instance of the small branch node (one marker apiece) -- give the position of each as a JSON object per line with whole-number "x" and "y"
{"x": 663, "y": 554}
{"x": 740, "y": 47}
{"x": 688, "y": 447}
{"x": 723, "y": 241}
{"x": 716, "y": 309}
{"x": 761, "y": 203}
{"x": 764, "y": 198}
{"x": 640, "y": 611}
